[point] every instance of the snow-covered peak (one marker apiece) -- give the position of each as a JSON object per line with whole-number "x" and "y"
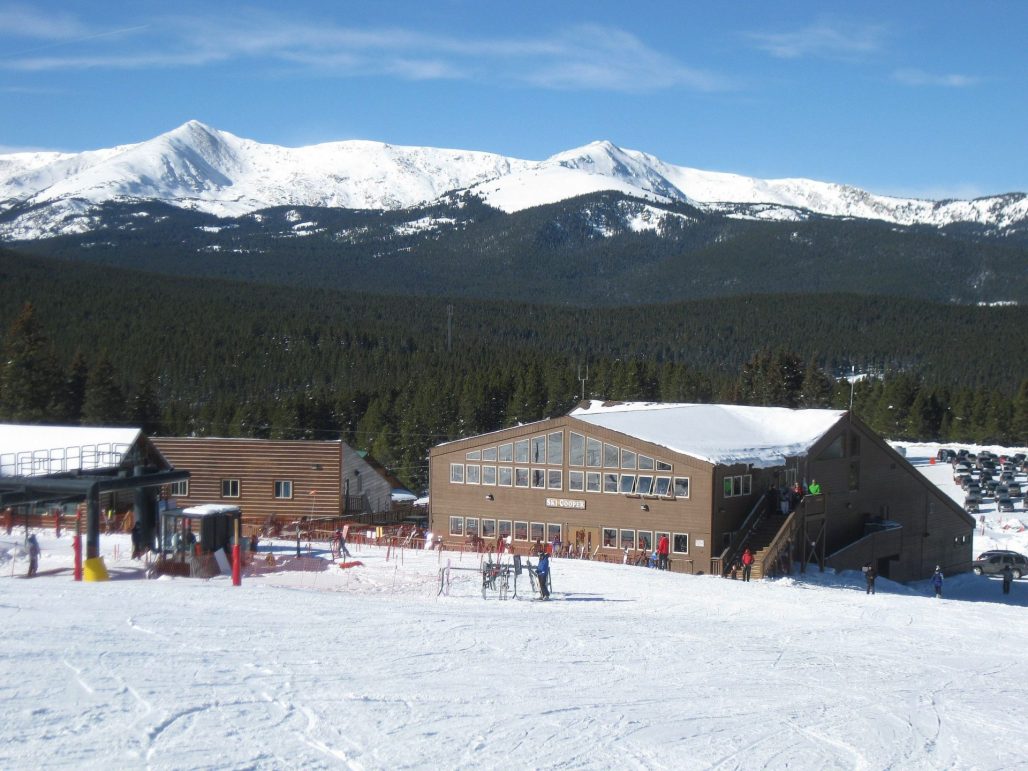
{"x": 200, "y": 167}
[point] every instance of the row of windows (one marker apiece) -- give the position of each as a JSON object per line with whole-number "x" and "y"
{"x": 230, "y": 488}
{"x": 583, "y": 450}
{"x": 738, "y": 485}
{"x": 578, "y": 481}
{"x": 613, "y": 538}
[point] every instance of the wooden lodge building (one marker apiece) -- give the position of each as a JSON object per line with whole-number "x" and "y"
{"x": 613, "y": 477}
{"x": 287, "y": 479}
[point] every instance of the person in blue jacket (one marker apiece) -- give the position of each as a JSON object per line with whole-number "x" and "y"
{"x": 542, "y": 571}
{"x": 937, "y": 581}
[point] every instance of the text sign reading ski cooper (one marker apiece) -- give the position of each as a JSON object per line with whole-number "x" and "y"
{"x": 564, "y": 503}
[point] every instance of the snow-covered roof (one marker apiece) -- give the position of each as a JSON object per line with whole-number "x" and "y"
{"x": 38, "y": 450}
{"x": 718, "y": 433}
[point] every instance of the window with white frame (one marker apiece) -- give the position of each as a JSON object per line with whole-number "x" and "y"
{"x": 521, "y": 477}
{"x": 610, "y": 537}
{"x": 644, "y": 485}
{"x": 553, "y": 532}
{"x": 456, "y": 525}
{"x": 663, "y": 465}
{"x": 283, "y": 488}
{"x": 627, "y": 459}
{"x": 662, "y": 487}
{"x": 681, "y": 487}
{"x": 471, "y": 526}
{"x": 539, "y": 478}
{"x": 576, "y": 481}
{"x": 627, "y": 484}
{"x": 489, "y": 475}
{"x": 538, "y": 531}
{"x": 610, "y": 483}
{"x": 473, "y": 475}
{"x": 520, "y": 531}
{"x": 474, "y": 455}
{"x": 680, "y": 543}
{"x": 593, "y": 453}
{"x": 628, "y": 539}
{"x": 554, "y": 479}
{"x": 506, "y": 453}
{"x": 488, "y": 528}
{"x": 611, "y": 456}
{"x": 538, "y": 449}
{"x": 457, "y": 473}
{"x": 521, "y": 451}
{"x": 645, "y": 538}
{"x": 645, "y": 463}
{"x": 179, "y": 489}
{"x": 555, "y": 448}
{"x": 592, "y": 481}
{"x": 576, "y": 450}
{"x": 505, "y": 528}
{"x": 489, "y": 454}
{"x": 505, "y": 476}
{"x": 230, "y": 488}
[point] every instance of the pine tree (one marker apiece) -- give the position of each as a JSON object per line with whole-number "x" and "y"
{"x": 104, "y": 401}
{"x": 30, "y": 378}
{"x": 72, "y": 395}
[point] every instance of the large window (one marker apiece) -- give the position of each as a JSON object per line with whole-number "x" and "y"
{"x": 644, "y": 485}
{"x": 521, "y": 477}
{"x": 553, "y": 532}
{"x": 471, "y": 526}
{"x": 627, "y": 484}
{"x": 457, "y": 473}
{"x": 520, "y": 531}
{"x": 645, "y": 539}
{"x": 663, "y": 486}
{"x": 474, "y": 474}
{"x": 680, "y": 543}
{"x": 554, "y": 479}
{"x": 283, "y": 488}
{"x": 627, "y": 459}
{"x": 555, "y": 448}
{"x": 474, "y": 455}
{"x": 489, "y": 454}
{"x": 539, "y": 478}
{"x": 645, "y": 463}
{"x": 593, "y": 452}
{"x": 505, "y": 476}
{"x": 538, "y": 531}
{"x": 610, "y": 483}
{"x": 489, "y": 475}
{"x": 610, "y": 538}
{"x": 538, "y": 449}
{"x": 505, "y": 528}
{"x": 627, "y": 539}
{"x": 230, "y": 488}
{"x": 576, "y": 481}
{"x": 521, "y": 451}
{"x": 592, "y": 481}
{"x": 456, "y": 525}
{"x": 681, "y": 487}
{"x": 179, "y": 489}
{"x": 611, "y": 456}
{"x": 576, "y": 453}
{"x": 506, "y": 453}
{"x": 488, "y": 528}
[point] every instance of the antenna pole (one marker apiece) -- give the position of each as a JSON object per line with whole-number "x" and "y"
{"x": 583, "y": 379}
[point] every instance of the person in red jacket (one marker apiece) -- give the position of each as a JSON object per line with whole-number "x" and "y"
{"x": 663, "y": 549}
{"x": 747, "y": 564}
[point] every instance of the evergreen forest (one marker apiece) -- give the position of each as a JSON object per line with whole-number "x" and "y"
{"x": 91, "y": 344}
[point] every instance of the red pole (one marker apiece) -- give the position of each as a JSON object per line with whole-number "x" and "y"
{"x": 237, "y": 579}
{"x": 57, "y": 523}
{"x": 77, "y": 546}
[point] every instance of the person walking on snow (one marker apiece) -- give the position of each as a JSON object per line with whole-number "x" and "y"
{"x": 542, "y": 572}
{"x": 747, "y": 564}
{"x": 937, "y": 581}
{"x": 663, "y": 549}
{"x": 33, "y": 546}
{"x": 870, "y": 575}
{"x": 1008, "y": 578}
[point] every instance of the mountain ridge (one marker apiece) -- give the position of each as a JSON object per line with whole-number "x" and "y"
{"x": 195, "y": 166}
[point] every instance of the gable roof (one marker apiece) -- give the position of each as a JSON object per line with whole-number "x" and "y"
{"x": 39, "y": 450}
{"x": 723, "y": 434}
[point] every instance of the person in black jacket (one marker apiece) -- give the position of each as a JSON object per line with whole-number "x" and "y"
{"x": 870, "y": 575}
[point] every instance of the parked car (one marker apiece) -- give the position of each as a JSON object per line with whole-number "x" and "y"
{"x": 972, "y": 506}
{"x": 1004, "y": 504}
{"x": 993, "y": 562}
{"x": 1015, "y": 490}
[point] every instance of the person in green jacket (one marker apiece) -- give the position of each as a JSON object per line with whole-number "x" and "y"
{"x": 815, "y": 488}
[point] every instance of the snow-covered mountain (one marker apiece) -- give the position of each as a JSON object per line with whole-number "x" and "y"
{"x": 199, "y": 167}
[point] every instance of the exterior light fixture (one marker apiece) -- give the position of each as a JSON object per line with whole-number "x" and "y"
{"x": 645, "y": 507}
{"x": 489, "y": 497}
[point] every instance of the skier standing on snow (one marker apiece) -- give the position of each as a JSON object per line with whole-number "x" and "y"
{"x": 747, "y": 564}
{"x": 542, "y": 572}
{"x": 937, "y": 581}
{"x": 33, "y": 546}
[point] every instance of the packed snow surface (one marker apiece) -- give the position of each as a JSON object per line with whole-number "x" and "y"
{"x": 370, "y": 668}
{"x": 718, "y": 433}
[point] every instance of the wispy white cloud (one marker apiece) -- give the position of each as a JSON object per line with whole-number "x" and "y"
{"x": 26, "y": 22}
{"x": 583, "y": 57}
{"x": 832, "y": 40}
{"x": 916, "y": 77}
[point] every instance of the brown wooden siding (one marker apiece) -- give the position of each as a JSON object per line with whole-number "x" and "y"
{"x": 257, "y": 464}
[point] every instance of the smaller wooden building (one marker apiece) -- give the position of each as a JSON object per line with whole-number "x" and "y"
{"x": 287, "y": 479}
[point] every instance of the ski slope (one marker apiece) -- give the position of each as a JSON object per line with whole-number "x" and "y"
{"x": 369, "y": 668}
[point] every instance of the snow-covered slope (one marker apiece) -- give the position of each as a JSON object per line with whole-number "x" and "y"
{"x": 199, "y": 167}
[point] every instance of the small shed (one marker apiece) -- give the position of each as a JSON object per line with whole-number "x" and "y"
{"x": 217, "y": 526}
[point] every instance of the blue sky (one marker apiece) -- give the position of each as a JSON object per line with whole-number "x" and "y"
{"x": 908, "y": 98}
